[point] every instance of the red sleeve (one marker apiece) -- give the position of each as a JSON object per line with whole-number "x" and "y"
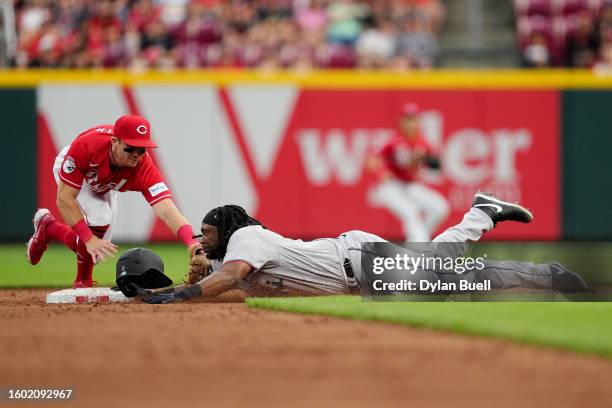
{"x": 385, "y": 152}
{"x": 151, "y": 184}
{"x": 74, "y": 165}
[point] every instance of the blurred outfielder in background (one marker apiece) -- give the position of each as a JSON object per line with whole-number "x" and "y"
{"x": 397, "y": 166}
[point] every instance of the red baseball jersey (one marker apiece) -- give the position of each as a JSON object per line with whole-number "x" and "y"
{"x": 88, "y": 159}
{"x": 399, "y": 155}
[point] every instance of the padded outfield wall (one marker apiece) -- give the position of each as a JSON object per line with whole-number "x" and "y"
{"x": 292, "y": 149}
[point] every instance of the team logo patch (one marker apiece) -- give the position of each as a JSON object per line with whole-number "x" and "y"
{"x": 157, "y": 189}
{"x": 142, "y": 129}
{"x": 69, "y": 165}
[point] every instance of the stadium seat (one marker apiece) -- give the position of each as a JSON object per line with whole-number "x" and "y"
{"x": 341, "y": 56}
{"x": 539, "y": 7}
{"x": 570, "y": 7}
{"x": 526, "y": 26}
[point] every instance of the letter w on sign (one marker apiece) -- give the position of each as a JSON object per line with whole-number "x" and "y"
{"x": 336, "y": 154}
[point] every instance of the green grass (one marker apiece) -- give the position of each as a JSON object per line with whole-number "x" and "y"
{"x": 583, "y": 327}
{"x": 57, "y": 268}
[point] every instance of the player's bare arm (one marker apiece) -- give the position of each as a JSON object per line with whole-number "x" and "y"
{"x": 67, "y": 205}
{"x": 225, "y": 279}
{"x": 166, "y": 211}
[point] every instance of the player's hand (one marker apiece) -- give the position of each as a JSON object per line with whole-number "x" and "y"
{"x": 100, "y": 249}
{"x": 195, "y": 249}
{"x": 167, "y": 295}
{"x": 171, "y": 295}
{"x": 160, "y": 298}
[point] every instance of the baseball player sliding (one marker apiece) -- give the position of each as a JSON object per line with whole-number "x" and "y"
{"x": 90, "y": 172}
{"x": 396, "y": 164}
{"x": 241, "y": 253}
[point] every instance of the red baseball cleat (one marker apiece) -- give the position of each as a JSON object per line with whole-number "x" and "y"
{"x": 84, "y": 284}
{"x": 37, "y": 245}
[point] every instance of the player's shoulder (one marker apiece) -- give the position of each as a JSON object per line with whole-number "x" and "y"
{"x": 95, "y": 136}
{"x": 250, "y": 235}
{"x": 249, "y": 232}
{"x": 146, "y": 163}
{"x": 103, "y": 131}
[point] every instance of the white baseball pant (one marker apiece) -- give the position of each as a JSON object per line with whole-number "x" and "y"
{"x": 419, "y": 208}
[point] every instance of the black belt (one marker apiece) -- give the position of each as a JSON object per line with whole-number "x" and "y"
{"x": 348, "y": 268}
{"x": 350, "y": 275}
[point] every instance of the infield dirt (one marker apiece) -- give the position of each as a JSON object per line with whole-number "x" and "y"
{"x": 226, "y": 354}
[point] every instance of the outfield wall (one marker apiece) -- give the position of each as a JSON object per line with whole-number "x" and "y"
{"x": 291, "y": 149}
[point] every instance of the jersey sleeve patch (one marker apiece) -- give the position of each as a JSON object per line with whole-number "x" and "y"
{"x": 157, "y": 189}
{"x": 69, "y": 165}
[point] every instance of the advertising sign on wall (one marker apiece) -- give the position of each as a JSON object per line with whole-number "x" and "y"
{"x": 296, "y": 158}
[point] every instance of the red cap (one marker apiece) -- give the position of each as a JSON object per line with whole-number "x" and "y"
{"x": 410, "y": 109}
{"x": 134, "y": 131}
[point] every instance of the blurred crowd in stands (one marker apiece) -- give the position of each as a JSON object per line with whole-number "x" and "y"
{"x": 266, "y": 34}
{"x": 565, "y": 33}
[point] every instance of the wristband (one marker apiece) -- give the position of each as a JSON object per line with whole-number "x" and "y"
{"x": 82, "y": 230}
{"x": 185, "y": 234}
{"x": 188, "y": 292}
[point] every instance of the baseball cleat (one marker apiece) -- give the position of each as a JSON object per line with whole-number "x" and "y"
{"x": 499, "y": 210}
{"x": 37, "y": 245}
{"x": 84, "y": 284}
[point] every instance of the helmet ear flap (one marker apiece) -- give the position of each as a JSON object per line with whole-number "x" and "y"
{"x": 126, "y": 287}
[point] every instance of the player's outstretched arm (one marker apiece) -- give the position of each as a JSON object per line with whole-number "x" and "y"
{"x": 213, "y": 285}
{"x": 225, "y": 279}
{"x": 166, "y": 211}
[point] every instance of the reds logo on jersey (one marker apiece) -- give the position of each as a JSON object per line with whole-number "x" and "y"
{"x": 102, "y": 188}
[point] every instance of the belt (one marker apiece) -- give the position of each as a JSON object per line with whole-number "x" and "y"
{"x": 350, "y": 275}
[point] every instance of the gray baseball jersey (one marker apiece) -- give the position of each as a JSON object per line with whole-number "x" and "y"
{"x": 315, "y": 267}
{"x": 281, "y": 263}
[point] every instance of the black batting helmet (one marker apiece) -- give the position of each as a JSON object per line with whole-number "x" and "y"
{"x": 140, "y": 267}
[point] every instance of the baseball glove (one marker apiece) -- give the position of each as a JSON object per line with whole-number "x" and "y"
{"x": 199, "y": 268}
{"x": 433, "y": 162}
